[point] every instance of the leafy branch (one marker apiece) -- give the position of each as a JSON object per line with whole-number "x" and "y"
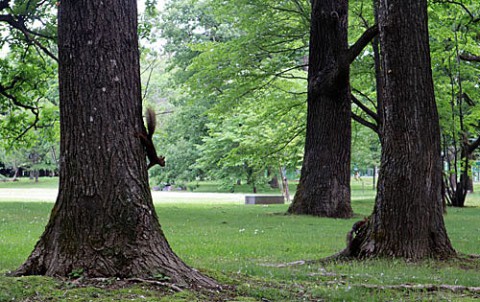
{"x": 469, "y": 57}
{"x": 19, "y": 23}
{"x": 473, "y": 18}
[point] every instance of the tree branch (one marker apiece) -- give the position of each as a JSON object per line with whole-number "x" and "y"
{"x": 39, "y": 34}
{"x": 9, "y": 19}
{"x": 364, "y": 108}
{"x": 468, "y": 100}
{"x": 364, "y": 39}
{"x": 473, "y": 19}
{"x": 374, "y": 104}
{"x": 33, "y": 125}
{"x": 38, "y": 44}
{"x": 4, "y": 4}
{"x": 469, "y": 57}
{"x": 289, "y": 92}
{"x": 364, "y": 122}
{"x": 285, "y": 145}
{"x": 281, "y": 74}
{"x": 286, "y": 10}
{"x": 3, "y": 91}
{"x": 302, "y": 10}
{"x": 19, "y": 24}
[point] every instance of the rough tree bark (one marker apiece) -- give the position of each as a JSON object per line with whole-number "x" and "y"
{"x": 324, "y": 187}
{"x": 103, "y": 223}
{"x": 407, "y": 220}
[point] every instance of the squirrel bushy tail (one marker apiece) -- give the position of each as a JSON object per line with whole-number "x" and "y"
{"x": 147, "y": 140}
{"x": 151, "y": 121}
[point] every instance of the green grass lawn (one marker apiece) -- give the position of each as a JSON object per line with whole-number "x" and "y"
{"x": 25, "y": 182}
{"x": 244, "y": 246}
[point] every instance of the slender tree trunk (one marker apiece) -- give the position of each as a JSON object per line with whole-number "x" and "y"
{"x": 16, "y": 171}
{"x": 103, "y": 223}
{"x": 462, "y": 186}
{"x": 324, "y": 187}
{"x": 407, "y": 220}
{"x": 378, "y": 70}
{"x": 285, "y": 190}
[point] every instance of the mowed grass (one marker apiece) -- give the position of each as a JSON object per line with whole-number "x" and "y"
{"x": 25, "y": 182}
{"x": 246, "y": 246}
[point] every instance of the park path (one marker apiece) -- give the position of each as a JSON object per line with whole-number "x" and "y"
{"x": 49, "y": 195}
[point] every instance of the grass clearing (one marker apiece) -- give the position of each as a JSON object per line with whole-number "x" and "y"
{"x": 243, "y": 246}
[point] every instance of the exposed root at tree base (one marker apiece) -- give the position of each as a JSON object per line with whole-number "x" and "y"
{"x": 340, "y": 256}
{"x": 423, "y": 287}
{"x": 114, "y": 283}
{"x": 344, "y": 256}
{"x": 156, "y": 282}
{"x": 470, "y": 256}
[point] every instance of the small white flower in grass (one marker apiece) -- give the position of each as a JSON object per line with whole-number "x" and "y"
{"x": 241, "y": 230}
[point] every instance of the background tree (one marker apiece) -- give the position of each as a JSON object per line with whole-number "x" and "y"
{"x": 28, "y": 98}
{"x": 103, "y": 222}
{"x": 13, "y": 160}
{"x": 407, "y": 220}
{"x": 455, "y": 34}
{"x": 324, "y": 187}
{"x": 250, "y": 57}
{"x": 233, "y": 87}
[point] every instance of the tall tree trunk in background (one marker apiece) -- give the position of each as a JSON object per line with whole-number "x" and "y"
{"x": 103, "y": 223}
{"x": 458, "y": 192}
{"x": 285, "y": 189}
{"x": 407, "y": 220}
{"x": 15, "y": 174}
{"x": 378, "y": 71}
{"x": 324, "y": 187}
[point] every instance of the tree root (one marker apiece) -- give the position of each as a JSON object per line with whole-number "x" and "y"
{"x": 340, "y": 256}
{"x": 120, "y": 282}
{"x": 427, "y": 287}
{"x": 156, "y": 282}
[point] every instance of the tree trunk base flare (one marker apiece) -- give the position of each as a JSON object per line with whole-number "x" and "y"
{"x": 407, "y": 219}
{"x": 364, "y": 242}
{"x": 333, "y": 202}
{"x": 63, "y": 251}
{"x": 103, "y": 223}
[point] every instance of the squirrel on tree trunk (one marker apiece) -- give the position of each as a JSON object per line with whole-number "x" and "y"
{"x": 355, "y": 230}
{"x": 147, "y": 141}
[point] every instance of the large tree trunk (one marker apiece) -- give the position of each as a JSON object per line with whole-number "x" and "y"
{"x": 103, "y": 223}
{"x": 324, "y": 187}
{"x": 407, "y": 220}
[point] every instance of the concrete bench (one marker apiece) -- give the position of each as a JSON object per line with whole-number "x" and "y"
{"x": 264, "y": 199}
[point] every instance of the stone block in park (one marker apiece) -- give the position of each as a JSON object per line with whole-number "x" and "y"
{"x": 264, "y": 199}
